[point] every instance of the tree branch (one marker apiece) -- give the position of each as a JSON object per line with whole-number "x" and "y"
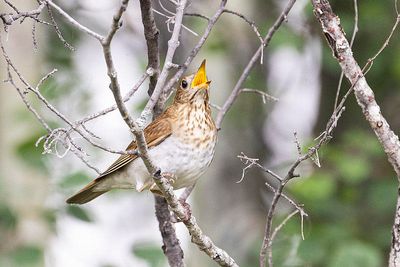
{"x": 73, "y": 22}
{"x": 173, "y": 44}
{"x": 151, "y": 34}
{"x": 211, "y": 22}
{"x": 171, "y": 245}
{"x": 365, "y": 98}
{"x": 203, "y": 242}
{"x": 238, "y": 86}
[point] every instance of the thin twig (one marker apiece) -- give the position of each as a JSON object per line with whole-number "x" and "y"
{"x": 173, "y": 44}
{"x": 10, "y": 18}
{"x": 126, "y": 98}
{"x": 168, "y": 87}
{"x": 353, "y": 37}
{"x": 57, "y": 30}
{"x": 365, "y": 98}
{"x": 238, "y": 86}
{"x": 248, "y": 21}
{"x": 279, "y": 227}
{"x": 151, "y": 33}
{"x": 73, "y": 22}
{"x": 264, "y": 95}
{"x": 203, "y": 242}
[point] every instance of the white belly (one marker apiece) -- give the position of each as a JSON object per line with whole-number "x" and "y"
{"x": 185, "y": 161}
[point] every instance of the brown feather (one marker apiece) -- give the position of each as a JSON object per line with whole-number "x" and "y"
{"x": 86, "y": 194}
{"x": 186, "y": 109}
{"x": 155, "y": 133}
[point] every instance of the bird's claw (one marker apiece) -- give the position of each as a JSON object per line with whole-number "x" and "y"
{"x": 187, "y": 208}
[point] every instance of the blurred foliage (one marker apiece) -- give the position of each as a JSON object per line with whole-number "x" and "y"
{"x": 30, "y": 154}
{"x": 350, "y": 208}
{"x": 149, "y": 253}
{"x": 79, "y": 213}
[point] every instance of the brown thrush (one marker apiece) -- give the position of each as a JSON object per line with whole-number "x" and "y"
{"x": 181, "y": 142}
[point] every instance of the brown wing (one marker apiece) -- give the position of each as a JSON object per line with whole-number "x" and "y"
{"x": 154, "y": 133}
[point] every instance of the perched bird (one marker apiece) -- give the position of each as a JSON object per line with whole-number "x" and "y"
{"x": 181, "y": 142}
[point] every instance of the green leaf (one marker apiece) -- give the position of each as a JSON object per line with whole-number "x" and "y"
{"x": 152, "y": 254}
{"x": 355, "y": 254}
{"x": 79, "y": 213}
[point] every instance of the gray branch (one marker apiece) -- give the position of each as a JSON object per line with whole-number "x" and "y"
{"x": 151, "y": 34}
{"x": 238, "y": 86}
{"x": 341, "y": 49}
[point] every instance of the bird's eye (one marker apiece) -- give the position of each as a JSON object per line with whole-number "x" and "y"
{"x": 184, "y": 84}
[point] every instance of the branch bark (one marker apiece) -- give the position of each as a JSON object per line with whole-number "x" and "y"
{"x": 341, "y": 49}
{"x": 238, "y": 86}
{"x": 173, "y": 44}
{"x": 211, "y": 22}
{"x": 151, "y": 34}
{"x": 171, "y": 245}
{"x": 203, "y": 242}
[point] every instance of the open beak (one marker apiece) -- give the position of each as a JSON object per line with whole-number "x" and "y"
{"x": 200, "y": 78}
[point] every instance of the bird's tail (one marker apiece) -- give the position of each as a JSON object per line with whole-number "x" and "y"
{"x": 87, "y": 193}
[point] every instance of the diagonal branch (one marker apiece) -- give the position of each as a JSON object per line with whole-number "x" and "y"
{"x": 173, "y": 44}
{"x": 151, "y": 34}
{"x": 238, "y": 86}
{"x": 365, "y": 98}
{"x": 202, "y": 241}
{"x": 171, "y": 245}
{"x": 211, "y": 22}
{"x": 73, "y": 22}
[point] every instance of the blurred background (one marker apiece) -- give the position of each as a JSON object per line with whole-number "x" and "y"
{"x": 350, "y": 199}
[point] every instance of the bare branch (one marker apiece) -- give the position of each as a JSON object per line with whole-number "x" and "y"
{"x": 52, "y": 108}
{"x": 173, "y": 44}
{"x": 191, "y": 14}
{"x": 171, "y": 247}
{"x": 10, "y": 18}
{"x": 365, "y": 97}
{"x": 115, "y": 89}
{"x": 126, "y": 98}
{"x": 167, "y": 89}
{"x": 279, "y": 227}
{"x": 203, "y": 242}
{"x": 254, "y": 162}
{"x": 288, "y": 199}
{"x": 57, "y": 30}
{"x": 264, "y": 95}
{"x": 250, "y": 22}
{"x": 151, "y": 33}
{"x": 73, "y": 22}
{"x": 325, "y": 137}
{"x": 237, "y": 88}
{"x": 353, "y": 37}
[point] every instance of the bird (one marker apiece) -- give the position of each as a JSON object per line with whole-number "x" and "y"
{"x": 181, "y": 142}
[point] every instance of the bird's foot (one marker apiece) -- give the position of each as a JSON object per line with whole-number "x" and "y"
{"x": 187, "y": 210}
{"x": 171, "y": 177}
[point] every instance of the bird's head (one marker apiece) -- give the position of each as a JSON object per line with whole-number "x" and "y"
{"x": 194, "y": 87}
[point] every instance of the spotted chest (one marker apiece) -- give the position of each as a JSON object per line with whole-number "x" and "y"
{"x": 186, "y": 153}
